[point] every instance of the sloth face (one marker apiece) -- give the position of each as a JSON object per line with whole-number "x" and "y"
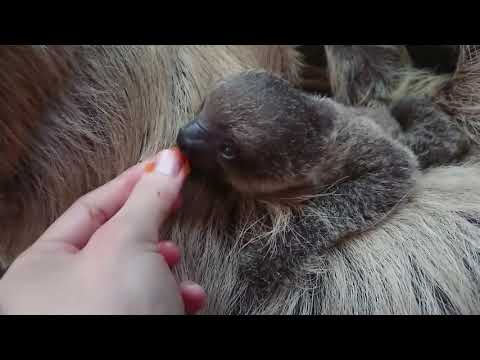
{"x": 257, "y": 133}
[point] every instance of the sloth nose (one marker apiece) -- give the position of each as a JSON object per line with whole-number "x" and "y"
{"x": 192, "y": 138}
{"x": 193, "y": 141}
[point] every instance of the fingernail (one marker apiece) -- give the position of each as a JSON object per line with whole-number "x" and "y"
{"x": 168, "y": 163}
{"x": 166, "y": 244}
{"x": 193, "y": 286}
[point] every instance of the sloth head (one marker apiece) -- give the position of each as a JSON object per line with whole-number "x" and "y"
{"x": 258, "y": 134}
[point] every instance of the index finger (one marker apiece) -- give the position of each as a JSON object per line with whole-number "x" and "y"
{"x": 152, "y": 200}
{"x": 88, "y": 213}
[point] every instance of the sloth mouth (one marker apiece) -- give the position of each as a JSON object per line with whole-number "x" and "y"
{"x": 192, "y": 137}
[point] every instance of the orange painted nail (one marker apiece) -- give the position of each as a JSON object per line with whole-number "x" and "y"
{"x": 149, "y": 167}
{"x": 184, "y": 160}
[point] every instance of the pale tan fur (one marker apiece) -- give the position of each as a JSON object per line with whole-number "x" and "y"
{"x": 417, "y": 82}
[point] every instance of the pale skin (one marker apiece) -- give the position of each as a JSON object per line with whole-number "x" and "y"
{"x": 103, "y": 255}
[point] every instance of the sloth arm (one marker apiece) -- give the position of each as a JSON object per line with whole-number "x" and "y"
{"x": 379, "y": 175}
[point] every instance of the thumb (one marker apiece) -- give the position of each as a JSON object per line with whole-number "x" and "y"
{"x": 155, "y": 194}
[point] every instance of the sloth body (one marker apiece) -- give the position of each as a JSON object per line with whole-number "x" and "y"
{"x": 93, "y": 111}
{"x": 271, "y": 143}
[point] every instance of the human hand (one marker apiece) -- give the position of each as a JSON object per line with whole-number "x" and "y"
{"x": 103, "y": 255}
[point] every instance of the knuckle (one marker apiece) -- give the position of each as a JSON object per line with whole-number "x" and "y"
{"x": 95, "y": 213}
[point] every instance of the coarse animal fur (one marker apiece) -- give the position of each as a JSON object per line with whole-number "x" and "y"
{"x": 259, "y": 117}
{"x": 75, "y": 116}
{"x": 433, "y": 135}
{"x": 117, "y": 104}
{"x": 365, "y": 75}
{"x": 460, "y": 95}
{"x": 271, "y": 143}
{"x": 376, "y": 75}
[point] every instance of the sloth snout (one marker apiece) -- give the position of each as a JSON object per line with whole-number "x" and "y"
{"x": 193, "y": 141}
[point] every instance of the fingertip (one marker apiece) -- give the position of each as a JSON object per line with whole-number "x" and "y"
{"x": 194, "y": 297}
{"x": 185, "y": 167}
{"x": 170, "y": 252}
{"x": 157, "y": 194}
{"x": 170, "y": 162}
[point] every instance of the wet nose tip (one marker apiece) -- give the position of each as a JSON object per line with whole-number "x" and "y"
{"x": 191, "y": 137}
{"x": 194, "y": 140}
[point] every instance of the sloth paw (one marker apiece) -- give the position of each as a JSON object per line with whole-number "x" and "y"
{"x": 431, "y": 134}
{"x": 410, "y": 110}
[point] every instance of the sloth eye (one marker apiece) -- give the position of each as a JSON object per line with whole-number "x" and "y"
{"x": 227, "y": 151}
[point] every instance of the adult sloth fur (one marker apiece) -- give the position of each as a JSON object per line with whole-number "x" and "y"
{"x": 111, "y": 106}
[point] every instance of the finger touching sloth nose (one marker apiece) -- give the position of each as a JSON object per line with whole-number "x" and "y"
{"x": 199, "y": 145}
{"x": 192, "y": 137}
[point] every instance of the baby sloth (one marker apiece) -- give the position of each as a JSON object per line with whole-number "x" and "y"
{"x": 268, "y": 142}
{"x": 263, "y": 137}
